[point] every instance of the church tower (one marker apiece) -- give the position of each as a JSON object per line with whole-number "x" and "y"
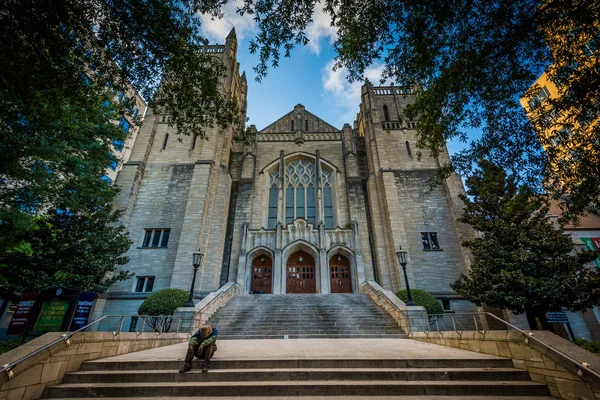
{"x": 175, "y": 193}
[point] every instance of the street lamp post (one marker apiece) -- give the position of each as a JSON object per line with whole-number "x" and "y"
{"x": 196, "y": 262}
{"x": 402, "y": 260}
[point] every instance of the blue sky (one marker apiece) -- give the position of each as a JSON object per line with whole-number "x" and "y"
{"x": 306, "y": 77}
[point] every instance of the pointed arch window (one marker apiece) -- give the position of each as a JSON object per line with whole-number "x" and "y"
{"x": 300, "y": 191}
{"x": 300, "y": 196}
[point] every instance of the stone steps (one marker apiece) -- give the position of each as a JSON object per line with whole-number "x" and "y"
{"x": 219, "y": 364}
{"x": 303, "y": 316}
{"x": 302, "y": 374}
{"x": 298, "y": 388}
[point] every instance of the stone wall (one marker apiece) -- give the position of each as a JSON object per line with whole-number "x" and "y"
{"x": 426, "y": 209}
{"x": 47, "y": 368}
{"x": 553, "y": 364}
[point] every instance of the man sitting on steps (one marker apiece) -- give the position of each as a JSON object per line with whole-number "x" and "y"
{"x": 202, "y": 345}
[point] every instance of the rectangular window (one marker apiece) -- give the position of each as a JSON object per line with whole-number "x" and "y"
{"x": 591, "y": 46}
{"x": 113, "y": 165}
{"x": 539, "y": 98}
{"x": 156, "y": 238}
{"x": 289, "y": 205}
{"x": 328, "y": 207}
{"x": 430, "y": 241}
{"x": 135, "y": 113}
{"x": 144, "y": 284}
{"x": 118, "y": 145}
{"x": 272, "y": 223}
{"x": 446, "y": 305}
{"x": 125, "y": 125}
{"x": 310, "y": 206}
{"x": 165, "y": 237}
{"x": 147, "y": 238}
{"x": 300, "y": 202}
{"x": 106, "y": 179}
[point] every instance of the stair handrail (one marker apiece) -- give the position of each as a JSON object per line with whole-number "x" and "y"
{"x": 204, "y": 305}
{"x": 381, "y": 292}
{"x": 530, "y": 336}
{"x": 66, "y": 337}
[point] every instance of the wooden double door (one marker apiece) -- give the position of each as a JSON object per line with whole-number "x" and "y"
{"x": 301, "y": 273}
{"x": 262, "y": 275}
{"x": 339, "y": 274}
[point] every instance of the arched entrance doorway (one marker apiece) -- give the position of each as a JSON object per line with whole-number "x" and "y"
{"x": 301, "y": 273}
{"x": 339, "y": 273}
{"x": 261, "y": 275}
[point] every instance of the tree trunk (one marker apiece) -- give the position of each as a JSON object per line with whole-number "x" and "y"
{"x": 536, "y": 316}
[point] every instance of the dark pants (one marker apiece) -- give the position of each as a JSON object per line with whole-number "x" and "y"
{"x": 206, "y": 354}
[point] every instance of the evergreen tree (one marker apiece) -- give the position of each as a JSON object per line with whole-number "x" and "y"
{"x": 522, "y": 262}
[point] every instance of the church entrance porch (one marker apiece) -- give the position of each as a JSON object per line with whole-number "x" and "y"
{"x": 301, "y": 277}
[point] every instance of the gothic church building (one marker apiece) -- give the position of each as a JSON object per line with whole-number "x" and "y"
{"x": 307, "y": 208}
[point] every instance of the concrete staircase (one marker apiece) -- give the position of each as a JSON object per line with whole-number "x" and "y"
{"x": 303, "y": 316}
{"x": 391, "y": 378}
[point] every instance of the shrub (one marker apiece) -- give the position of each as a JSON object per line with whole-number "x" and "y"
{"x": 422, "y": 298}
{"x": 164, "y": 302}
{"x": 8, "y": 345}
{"x": 593, "y": 347}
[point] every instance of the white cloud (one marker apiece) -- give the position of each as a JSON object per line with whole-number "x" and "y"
{"x": 343, "y": 95}
{"x": 320, "y": 28}
{"x": 217, "y": 29}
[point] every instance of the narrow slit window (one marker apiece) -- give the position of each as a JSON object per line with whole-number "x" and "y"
{"x": 408, "y": 150}
{"x": 164, "y": 146}
{"x": 194, "y": 142}
{"x": 292, "y": 125}
{"x": 386, "y": 113}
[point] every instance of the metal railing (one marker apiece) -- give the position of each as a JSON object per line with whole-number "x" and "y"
{"x": 159, "y": 325}
{"x": 461, "y": 322}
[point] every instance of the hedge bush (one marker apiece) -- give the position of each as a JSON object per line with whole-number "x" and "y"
{"x": 164, "y": 302}
{"x": 593, "y": 347}
{"x": 8, "y": 345}
{"x": 422, "y": 298}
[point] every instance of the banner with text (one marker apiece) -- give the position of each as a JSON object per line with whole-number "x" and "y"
{"x": 19, "y": 320}
{"x": 593, "y": 244}
{"x": 82, "y": 311}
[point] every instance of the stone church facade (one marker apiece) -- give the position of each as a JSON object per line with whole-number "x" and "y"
{"x": 306, "y": 208}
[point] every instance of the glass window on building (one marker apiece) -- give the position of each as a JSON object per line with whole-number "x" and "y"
{"x": 156, "y": 238}
{"x": 144, "y": 284}
{"x": 430, "y": 241}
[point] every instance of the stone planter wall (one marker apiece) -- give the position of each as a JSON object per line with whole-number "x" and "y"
{"x": 47, "y": 368}
{"x": 545, "y": 364}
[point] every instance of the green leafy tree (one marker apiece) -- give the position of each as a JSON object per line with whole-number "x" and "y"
{"x": 522, "y": 261}
{"x": 80, "y": 251}
{"x": 162, "y": 304}
{"x": 62, "y": 64}
{"x": 422, "y": 298}
{"x": 470, "y": 62}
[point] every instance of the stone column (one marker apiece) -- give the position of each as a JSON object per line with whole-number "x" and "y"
{"x": 360, "y": 267}
{"x": 241, "y": 277}
{"x": 324, "y": 271}
{"x": 278, "y": 268}
{"x": 278, "y": 273}
{"x": 319, "y": 205}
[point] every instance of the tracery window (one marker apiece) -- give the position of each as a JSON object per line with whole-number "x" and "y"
{"x": 300, "y": 200}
